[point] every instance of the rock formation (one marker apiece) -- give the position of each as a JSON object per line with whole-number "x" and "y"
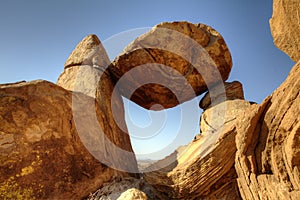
{"x": 127, "y": 188}
{"x": 133, "y": 194}
{"x": 285, "y": 27}
{"x": 225, "y": 106}
{"x": 40, "y": 151}
{"x": 264, "y": 141}
{"x": 268, "y": 152}
{"x": 86, "y": 72}
{"x": 63, "y": 141}
{"x": 202, "y": 169}
{"x": 168, "y": 65}
{"x": 231, "y": 91}
{"x": 51, "y": 147}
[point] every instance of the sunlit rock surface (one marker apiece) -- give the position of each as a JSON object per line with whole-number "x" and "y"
{"x": 172, "y": 63}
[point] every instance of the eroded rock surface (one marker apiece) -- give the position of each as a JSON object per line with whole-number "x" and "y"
{"x": 285, "y": 27}
{"x": 88, "y": 52}
{"x": 268, "y": 138}
{"x": 64, "y": 144}
{"x": 199, "y": 170}
{"x": 222, "y": 92}
{"x": 204, "y": 169}
{"x": 163, "y": 65}
{"x": 85, "y": 72}
{"x": 41, "y": 152}
{"x": 85, "y": 66}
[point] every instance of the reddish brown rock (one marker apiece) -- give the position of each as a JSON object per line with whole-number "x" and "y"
{"x": 285, "y": 27}
{"x": 41, "y": 153}
{"x": 268, "y": 154}
{"x": 223, "y": 92}
{"x": 163, "y": 65}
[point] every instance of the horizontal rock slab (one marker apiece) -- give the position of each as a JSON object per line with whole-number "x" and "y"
{"x": 172, "y": 63}
{"x": 42, "y": 156}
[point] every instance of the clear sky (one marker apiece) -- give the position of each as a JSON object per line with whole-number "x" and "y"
{"x": 37, "y": 36}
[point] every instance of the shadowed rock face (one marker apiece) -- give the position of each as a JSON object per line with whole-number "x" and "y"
{"x": 285, "y": 27}
{"x": 163, "y": 66}
{"x": 41, "y": 153}
{"x": 55, "y": 143}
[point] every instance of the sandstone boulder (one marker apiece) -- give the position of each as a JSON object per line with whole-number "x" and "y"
{"x": 285, "y": 27}
{"x": 41, "y": 153}
{"x": 127, "y": 188}
{"x": 232, "y": 90}
{"x": 268, "y": 153}
{"x": 133, "y": 194}
{"x": 172, "y": 63}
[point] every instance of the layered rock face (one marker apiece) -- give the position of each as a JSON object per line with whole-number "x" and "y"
{"x": 255, "y": 156}
{"x": 285, "y": 27}
{"x": 172, "y": 63}
{"x": 268, "y": 138}
{"x": 59, "y": 144}
{"x": 204, "y": 169}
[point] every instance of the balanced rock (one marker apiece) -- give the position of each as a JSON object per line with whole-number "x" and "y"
{"x": 42, "y": 155}
{"x": 285, "y": 27}
{"x": 268, "y": 153}
{"x": 222, "y": 92}
{"x": 172, "y": 63}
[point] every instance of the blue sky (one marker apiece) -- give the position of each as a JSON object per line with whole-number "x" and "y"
{"x": 36, "y": 38}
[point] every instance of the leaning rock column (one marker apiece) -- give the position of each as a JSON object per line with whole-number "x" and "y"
{"x": 85, "y": 72}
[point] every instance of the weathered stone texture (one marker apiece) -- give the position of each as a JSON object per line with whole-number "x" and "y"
{"x": 285, "y": 27}
{"x": 171, "y": 64}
